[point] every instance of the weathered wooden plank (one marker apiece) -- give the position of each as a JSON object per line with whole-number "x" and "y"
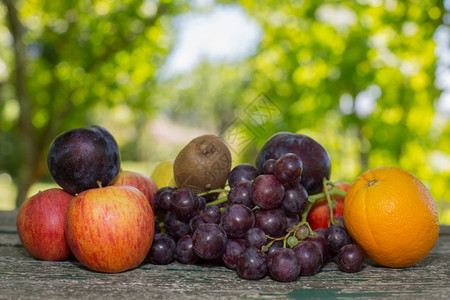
{"x": 8, "y": 221}
{"x": 22, "y": 276}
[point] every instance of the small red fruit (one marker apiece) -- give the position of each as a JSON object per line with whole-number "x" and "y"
{"x": 319, "y": 216}
{"x": 140, "y": 181}
{"x": 40, "y": 224}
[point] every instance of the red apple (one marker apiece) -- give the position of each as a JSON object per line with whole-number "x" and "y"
{"x": 140, "y": 181}
{"x": 40, "y": 224}
{"x": 319, "y": 215}
{"x": 110, "y": 229}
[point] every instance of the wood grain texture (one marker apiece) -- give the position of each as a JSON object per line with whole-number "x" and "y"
{"x": 22, "y": 276}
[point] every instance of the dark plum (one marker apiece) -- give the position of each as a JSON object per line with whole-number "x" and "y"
{"x": 242, "y": 172}
{"x": 84, "y": 158}
{"x": 232, "y": 251}
{"x": 271, "y": 221}
{"x": 162, "y": 251}
{"x": 209, "y": 241}
{"x": 252, "y": 264}
{"x": 315, "y": 159}
{"x": 284, "y": 265}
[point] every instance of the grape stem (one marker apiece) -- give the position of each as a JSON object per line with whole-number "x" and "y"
{"x": 327, "y": 193}
{"x": 289, "y": 233}
{"x": 216, "y": 191}
{"x": 218, "y": 201}
{"x": 329, "y": 190}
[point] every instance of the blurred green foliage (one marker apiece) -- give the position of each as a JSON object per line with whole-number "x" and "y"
{"x": 357, "y": 76}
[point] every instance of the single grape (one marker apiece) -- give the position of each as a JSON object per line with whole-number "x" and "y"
{"x": 268, "y": 166}
{"x": 295, "y": 200}
{"x": 241, "y": 193}
{"x": 302, "y": 232}
{"x": 292, "y": 221}
{"x": 209, "y": 241}
{"x": 202, "y": 202}
{"x": 267, "y": 192}
{"x": 320, "y": 232}
{"x": 288, "y": 168}
{"x": 162, "y": 198}
{"x": 185, "y": 251}
{"x": 236, "y": 220}
{"x": 275, "y": 245}
{"x": 336, "y": 238}
{"x": 157, "y": 227}
{"x": 242, "y": 172}
{"x": 195, "y": 222}
{"x": 321, "y": 243}
{"x": 292, "y": 241}
{"x": 184, "y": 203}
{"x": 310, "y": 257}
{"x": 284, "y": 265}
{"x": 271, "y": 221}
{"x": 211, "y": 214}
{"x": 162, "y": 250}
{"x": 174, "y": 226}
{"x": 255, "y": 237}
{"x": 233, "y": 249}
{"x": 350, "y": 258}
{"x": 252, "y": 264}
{"x": 340, "y": 221}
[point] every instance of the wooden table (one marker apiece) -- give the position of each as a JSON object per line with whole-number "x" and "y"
{"x": 24, "y": 277}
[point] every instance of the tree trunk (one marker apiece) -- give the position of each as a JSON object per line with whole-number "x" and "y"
{"x": 27, "y": 170}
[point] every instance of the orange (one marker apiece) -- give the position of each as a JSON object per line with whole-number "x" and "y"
{"x": 392, "y": 216}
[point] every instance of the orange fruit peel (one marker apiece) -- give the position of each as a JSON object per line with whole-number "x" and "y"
{"x": 392, "y": 216}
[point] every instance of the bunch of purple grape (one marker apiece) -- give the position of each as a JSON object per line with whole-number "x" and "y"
{"x": 256, "y": 231}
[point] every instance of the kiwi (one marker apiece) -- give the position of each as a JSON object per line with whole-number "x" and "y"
{"x": 203, "y": 164}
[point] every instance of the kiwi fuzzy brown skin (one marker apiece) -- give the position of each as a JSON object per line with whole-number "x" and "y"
{"x": 203, "y": 164}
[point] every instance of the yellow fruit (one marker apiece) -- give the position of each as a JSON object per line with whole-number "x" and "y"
{"x": 392, "y": 216}
{"x": 163, "y": 174}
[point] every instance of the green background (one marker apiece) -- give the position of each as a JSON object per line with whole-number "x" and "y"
{"x": 69, "y": 64}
